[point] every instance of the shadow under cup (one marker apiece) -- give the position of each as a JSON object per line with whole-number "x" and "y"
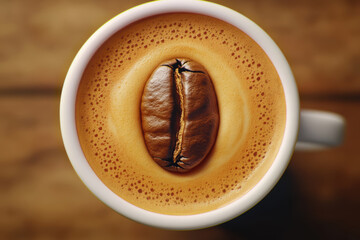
{"x": 179, "y": 222}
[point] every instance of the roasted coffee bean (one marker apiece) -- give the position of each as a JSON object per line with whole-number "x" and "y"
{"x": 179, "y": 114}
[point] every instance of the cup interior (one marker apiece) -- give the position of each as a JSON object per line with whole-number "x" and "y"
{"x": 187, "y": 222}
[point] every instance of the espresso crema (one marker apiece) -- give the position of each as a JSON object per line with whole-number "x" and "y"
{"x": 251, "y": 108}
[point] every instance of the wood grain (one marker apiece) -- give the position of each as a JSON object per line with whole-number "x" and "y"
{"x": 42, "y": 198}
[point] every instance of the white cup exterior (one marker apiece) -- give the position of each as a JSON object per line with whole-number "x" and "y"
{"x": 183, "y": 222}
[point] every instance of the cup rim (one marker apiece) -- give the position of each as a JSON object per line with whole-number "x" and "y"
{"x": 179, "y": 222}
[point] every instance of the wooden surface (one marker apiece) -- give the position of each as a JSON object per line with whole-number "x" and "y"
{"x": 41, "y": 196}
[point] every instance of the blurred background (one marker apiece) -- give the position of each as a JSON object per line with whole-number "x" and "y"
{"x": 41, "y": 196}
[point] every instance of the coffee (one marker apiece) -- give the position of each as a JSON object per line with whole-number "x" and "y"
{"x": 250, "y": 103}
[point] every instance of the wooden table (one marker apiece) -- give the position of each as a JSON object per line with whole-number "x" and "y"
{"x": 41, "y": 197}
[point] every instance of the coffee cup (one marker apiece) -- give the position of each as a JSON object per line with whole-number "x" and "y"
{"x": 303, "y": 129}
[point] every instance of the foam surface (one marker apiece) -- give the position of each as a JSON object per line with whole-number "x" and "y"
{"x": 251, "y": 107}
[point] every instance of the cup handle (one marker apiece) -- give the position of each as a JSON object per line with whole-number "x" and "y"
{"x": 320, "y": 130}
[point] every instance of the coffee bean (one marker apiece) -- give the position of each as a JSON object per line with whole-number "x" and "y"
{"x": 179, "y": 114}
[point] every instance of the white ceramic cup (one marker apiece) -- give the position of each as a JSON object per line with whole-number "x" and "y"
{"x": 315, "y": 128}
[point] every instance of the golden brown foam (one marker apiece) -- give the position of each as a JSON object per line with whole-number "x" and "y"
{"x": 251, "y": 105}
